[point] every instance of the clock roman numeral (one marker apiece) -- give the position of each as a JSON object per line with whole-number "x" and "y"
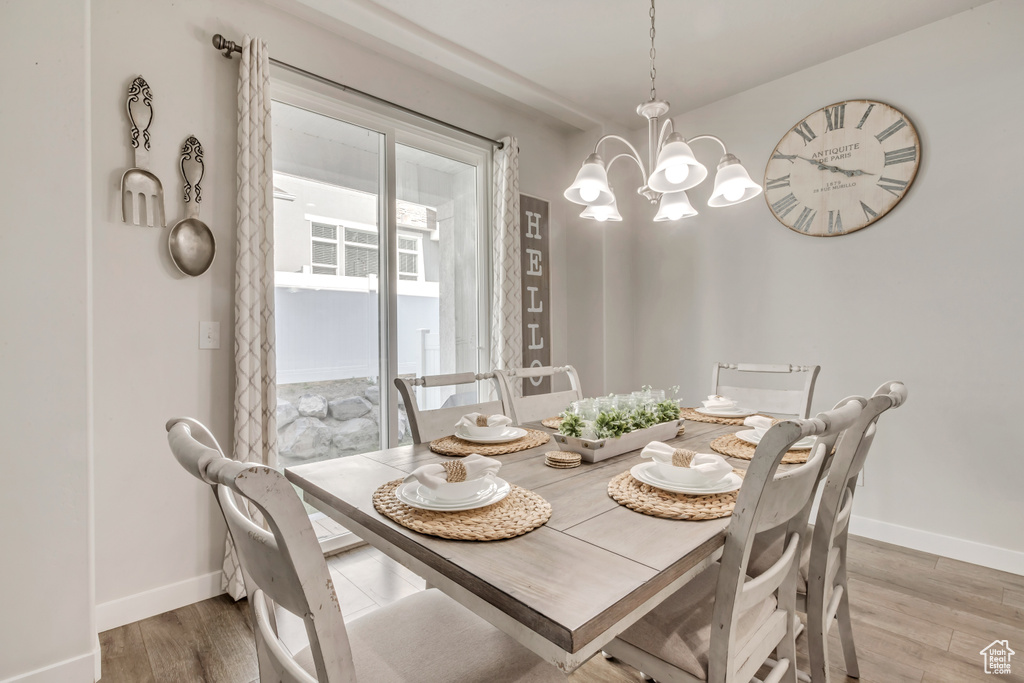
{"x": 783, "y": 206}
{"x": 835, "y": 223}
{"x": 865, "y": 117}
{"x": 881, "y": 137}
{"x": 803, "y": 222}
{"x": 869, "y": 213}
{"x": 835, "y": 117}
{"x": 804, "y": 131}
{"x": 892, "y": 186}
{"x": 776, "y": 183}
{"x": 900, "y": 156}
{"x": 787, "y": 157}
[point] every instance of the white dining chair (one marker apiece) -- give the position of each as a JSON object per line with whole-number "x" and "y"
{"x": 426, "y": 637}
{"x": 427, "y": 425}
{"x": 822, "y": 590}
{"x": 782, "y": 402}
{"x": 538, "y": 406}
{"x": 723, "y": 625}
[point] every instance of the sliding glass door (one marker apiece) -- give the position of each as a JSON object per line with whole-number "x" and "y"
{"x": 380, "y": 246}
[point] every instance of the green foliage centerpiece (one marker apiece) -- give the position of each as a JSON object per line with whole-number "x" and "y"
{"x": 613, "y": 422}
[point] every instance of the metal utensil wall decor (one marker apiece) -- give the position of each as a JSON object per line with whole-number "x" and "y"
{"x": 191, "y": 242}
{"x": 139, "y": 187}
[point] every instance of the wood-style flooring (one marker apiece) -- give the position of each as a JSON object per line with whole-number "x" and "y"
{"x": 917, "y": 617}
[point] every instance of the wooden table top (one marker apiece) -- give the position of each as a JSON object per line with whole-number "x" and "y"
{"x": 594, "y": 564}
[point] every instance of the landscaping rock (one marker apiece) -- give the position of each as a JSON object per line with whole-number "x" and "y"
{"x": 372, "y": 392}
{"x": 286, "y": 413}
{"x": 357, "y": 435}
{"x": 313, "y": 405}
{"x": 304, "y": 439}
{"x": 348, "y": 408}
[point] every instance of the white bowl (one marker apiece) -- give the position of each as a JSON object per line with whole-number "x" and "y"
{"x": 761, "y": 431}
{"x": 462, "y": 490}
{"x": 483, "y": 432}
{"x": 687, "y": 476}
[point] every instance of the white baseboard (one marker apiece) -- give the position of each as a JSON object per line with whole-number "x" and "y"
{"x": 149, "y": 603}
{"x": 955, "y": 548}
{"x": 80, "y": 669}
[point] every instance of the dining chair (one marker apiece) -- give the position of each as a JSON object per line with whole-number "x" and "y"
{"x": 427, "y": 425}
{"x": 723, "y": 625}
{"x": 775, "y": 401}
{"x": 421, "y": 638}
{"x": 822, "y": 590}
{"x": 539, "y": 406}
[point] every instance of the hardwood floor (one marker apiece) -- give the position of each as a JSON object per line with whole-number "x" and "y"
{"x": 917, "y": 617}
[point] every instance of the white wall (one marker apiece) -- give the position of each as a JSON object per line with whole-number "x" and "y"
{"x": 47, "y": 631}
{"x": 929, "y": 295}
{"x": 158, "y": 535}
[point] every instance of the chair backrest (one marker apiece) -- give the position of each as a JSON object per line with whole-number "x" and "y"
{"x": 539, "y": 406}
{"x": 776, "y": 401}
{"x": 284, "y": 565}
{"x": 831, "y": 526}
{"x": 427, "y": 425}
{"x": 765, "y": 501}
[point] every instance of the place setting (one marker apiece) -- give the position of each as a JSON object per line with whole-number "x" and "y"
{"x": 488, "y": 435}
{"x": 718, "y": 410}
{"x": 744, "y": 443}
{"x": 677, "y": 483}
{"x": 462, "y": 499}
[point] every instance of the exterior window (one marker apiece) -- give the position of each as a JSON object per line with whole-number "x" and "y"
{"x": 360, "y": 252}
{"x": 409, "y": 256}
{"x": 324, "y": 245}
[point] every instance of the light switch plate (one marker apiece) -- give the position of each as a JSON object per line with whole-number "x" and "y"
{"x": 209, "y": 335}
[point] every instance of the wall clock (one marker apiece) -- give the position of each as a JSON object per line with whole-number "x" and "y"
{"x": 842, "y": 168}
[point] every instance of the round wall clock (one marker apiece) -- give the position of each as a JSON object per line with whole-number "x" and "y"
{"x": 842, "y": 168}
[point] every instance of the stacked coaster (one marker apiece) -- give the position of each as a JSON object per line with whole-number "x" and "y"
{"x": 562, "y": 460}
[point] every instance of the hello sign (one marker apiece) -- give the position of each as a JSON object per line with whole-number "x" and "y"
{"x": 533, "y": 230}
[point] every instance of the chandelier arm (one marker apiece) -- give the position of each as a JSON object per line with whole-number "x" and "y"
{"x": 709, "y": 137}
{"x": 666, "y": 129}
{"x": 636, "y": 154}
{"x": 626, "y": 156}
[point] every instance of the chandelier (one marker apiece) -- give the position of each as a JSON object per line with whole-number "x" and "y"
{"x": 674, "y": 169}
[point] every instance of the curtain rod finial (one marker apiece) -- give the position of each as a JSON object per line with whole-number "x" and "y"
{"x": 228, "y": 46}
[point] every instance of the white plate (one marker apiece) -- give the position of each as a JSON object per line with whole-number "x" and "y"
{"x": 509, "y": 434}
{"x": 727, "y": 412}
{"x": 646, "y": 473}
{"x": 751, "y": 437}
{"x": 411, "y": 493}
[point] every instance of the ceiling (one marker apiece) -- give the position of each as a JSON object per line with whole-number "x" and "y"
{"x": 586, "y": 62}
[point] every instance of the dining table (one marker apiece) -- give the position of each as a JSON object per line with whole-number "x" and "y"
{"x": 563, "y": 590}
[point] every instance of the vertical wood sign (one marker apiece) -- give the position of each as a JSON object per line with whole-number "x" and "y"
{"x": 533, "y": 229}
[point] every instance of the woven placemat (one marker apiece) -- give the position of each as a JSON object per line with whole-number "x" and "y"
{"x": 649, "y": 500}
{"x": 453, "y": 445}
{"x": 692, "y": 415}
{"x": 515, "y": 514}
{"x": 552, "y": 422}
{"x": 735, "y": 447}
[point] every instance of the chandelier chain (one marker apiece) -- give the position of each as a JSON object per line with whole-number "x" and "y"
{"x": 654, "y": 71}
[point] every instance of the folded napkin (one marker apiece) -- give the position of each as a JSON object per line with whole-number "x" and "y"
{"x": 481, "y": 420}
{"x": 465, "y": 469}
{"x": 708, "y": 464}
{"x": 760, "y": 422}
{"x": 718, "y": 402}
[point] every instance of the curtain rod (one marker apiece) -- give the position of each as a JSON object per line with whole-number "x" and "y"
{"x": 229, "y": 47}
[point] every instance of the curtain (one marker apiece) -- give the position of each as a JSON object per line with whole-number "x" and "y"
{"x": 507, "y": 281}
{"x": 255, "y": 438}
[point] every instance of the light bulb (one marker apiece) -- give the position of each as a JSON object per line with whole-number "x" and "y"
{"x": 733, "y": 192}
{"x": 675, "y": 214}
{"x": 677, "y": 174}
{"x": 589, "y": 192}
{"x": 601, "y": 217}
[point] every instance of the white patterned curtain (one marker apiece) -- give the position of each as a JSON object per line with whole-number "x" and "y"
{"x": 255, "y": 358}
{"x": 507, "y": 284}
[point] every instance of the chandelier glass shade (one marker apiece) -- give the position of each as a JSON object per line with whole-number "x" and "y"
{"x": 673, "y": 168}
